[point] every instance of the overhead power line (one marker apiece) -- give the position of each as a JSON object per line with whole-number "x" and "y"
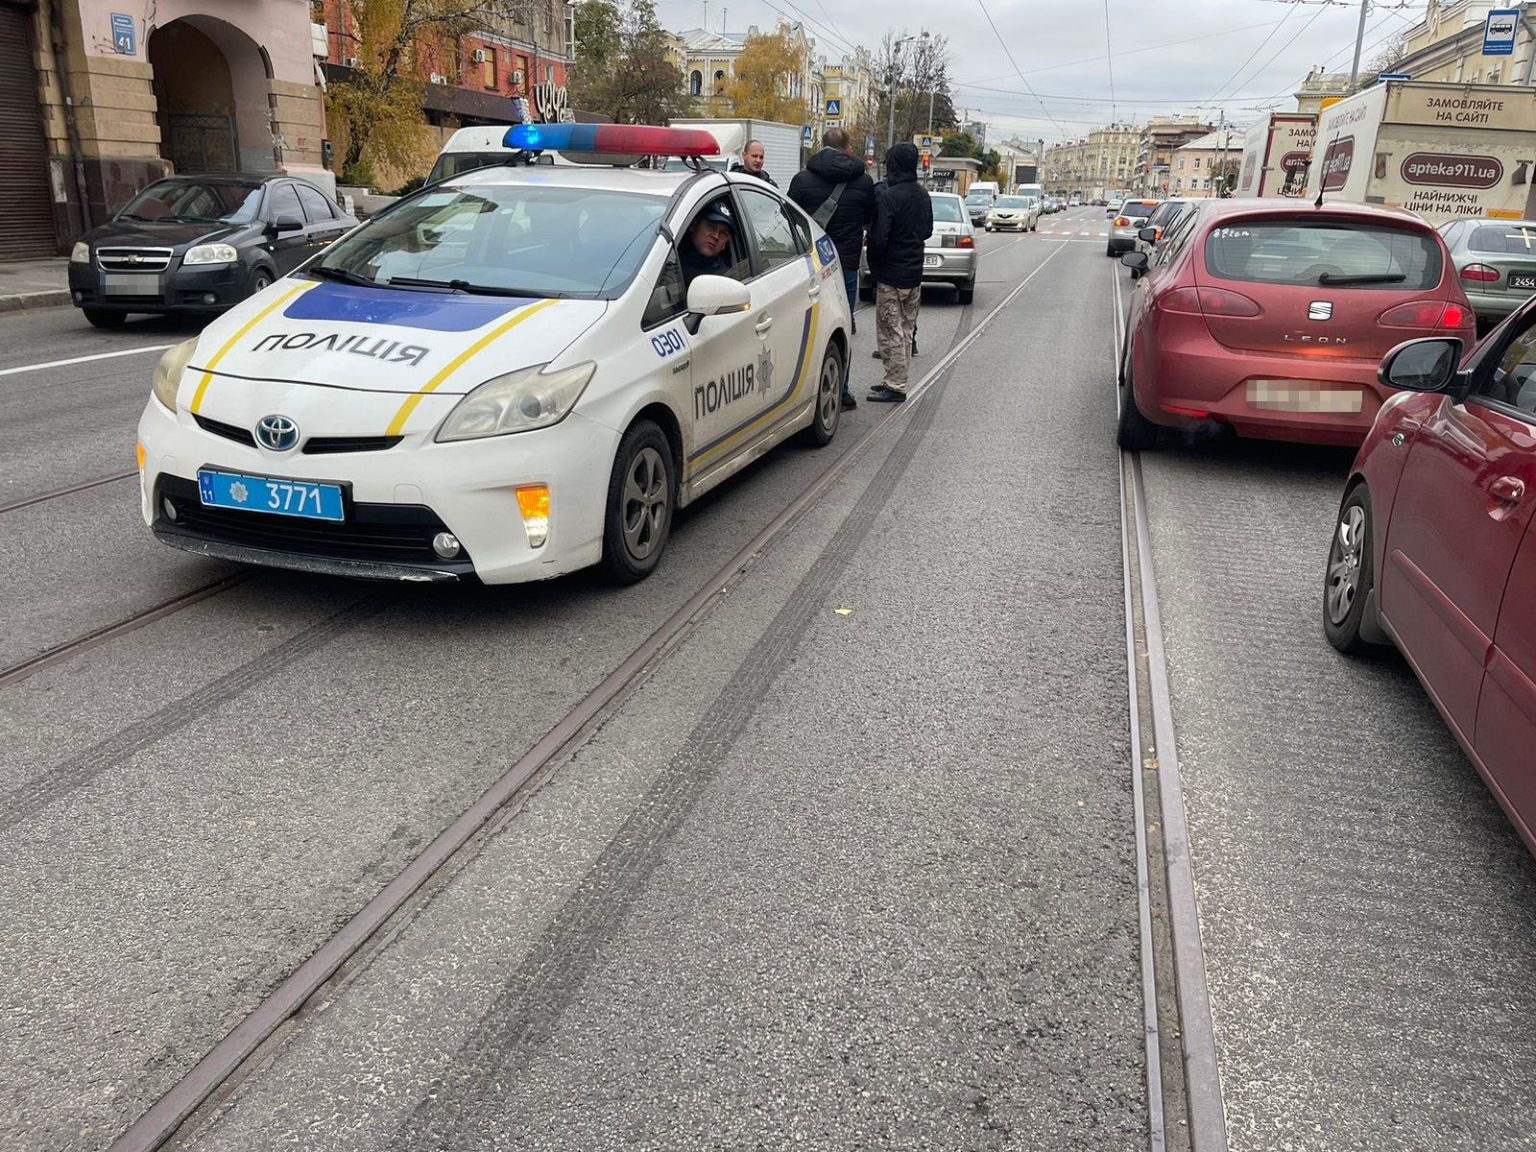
{"x": 1109, "y": 62}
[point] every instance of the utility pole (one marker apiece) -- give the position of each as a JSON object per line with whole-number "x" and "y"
{"x": 895, "y": 77}
{"x": 1221, "y": 172}
{"x": 1354, "y": 69}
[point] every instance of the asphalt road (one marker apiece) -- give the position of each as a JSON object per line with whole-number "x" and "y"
{"x": 853, "y": 868}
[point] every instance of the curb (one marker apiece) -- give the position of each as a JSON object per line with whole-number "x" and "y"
{"x": 20, "y": 300}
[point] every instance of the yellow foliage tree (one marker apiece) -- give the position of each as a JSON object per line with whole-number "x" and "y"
{"x": 769, "y": 68}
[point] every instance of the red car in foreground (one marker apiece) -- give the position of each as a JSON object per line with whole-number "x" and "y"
{"x": 1269, "y": 317}
{"x": 1434, "y": 551}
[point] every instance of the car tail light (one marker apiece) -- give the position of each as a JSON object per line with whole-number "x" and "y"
{"x": 1208, "y": 302}
{"x": 966, "y": 242}
{"x": 1425, "y": 314}
{"x": 1122, "y": 222}
{"x": 1480, "y": 273}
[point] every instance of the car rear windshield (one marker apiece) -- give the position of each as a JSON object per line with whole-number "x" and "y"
{"x": 535, "y": 240}
{"x": 195, "y": 201}
{"x": 1333, "y": 254}
{"x": 1510, "y": 239}
{"x": 947, "y": 211}
{"x": 1134, "y": 208}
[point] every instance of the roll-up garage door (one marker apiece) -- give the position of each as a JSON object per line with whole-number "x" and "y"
{"x": 26, "y": 206}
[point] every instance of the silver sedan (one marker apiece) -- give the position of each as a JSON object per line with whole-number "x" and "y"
{"x": 1495, "y": 262}
{"x": 949, "y": 255}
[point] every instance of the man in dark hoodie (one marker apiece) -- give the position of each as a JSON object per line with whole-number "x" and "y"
{"x": 903, "y": 219}
{"x": 838, "y": 194}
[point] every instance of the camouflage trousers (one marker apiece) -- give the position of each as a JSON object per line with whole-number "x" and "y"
{"x": 895, "y": 325}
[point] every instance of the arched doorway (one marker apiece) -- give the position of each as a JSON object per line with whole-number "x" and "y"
{"x": 211, "y": 84}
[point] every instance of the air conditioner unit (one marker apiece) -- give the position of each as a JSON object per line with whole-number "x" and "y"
{"x": 351, "y": 61}
{"x": 517, "y": 76}
{"x": 480, "y": 56}
{"x": 437, "y": 78}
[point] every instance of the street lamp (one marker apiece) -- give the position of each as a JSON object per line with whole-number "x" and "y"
{"x": 890, "y": 132}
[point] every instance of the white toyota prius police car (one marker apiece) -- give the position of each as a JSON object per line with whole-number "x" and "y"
{"x": 520, "y": 372}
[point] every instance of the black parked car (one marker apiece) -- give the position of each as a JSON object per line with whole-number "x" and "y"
{"x": 200, "y": 244}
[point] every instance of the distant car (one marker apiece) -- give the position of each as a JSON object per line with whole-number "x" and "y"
{"x": 1163, "y": 218}
{"x": 200, "y": 244}
{"x": 1270, "y": 318}
{"x": 1013, "y": 214}
{"x": 949, "y": 256}
{"x": 1130, "y": 218}
{"x": 1496, "y": 262}
{"x": 977, "y": 205}
{"x": 1075, "y": 202}
{"x": 1433, "y": 549}
{"x": 1111, "y": 207}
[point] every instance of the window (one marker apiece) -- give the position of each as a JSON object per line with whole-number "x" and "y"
{"x": 695, "y": 83}
{"x": 769, "y": 226}
{"x": 488, "y": 67}
{"x": 285, "y": 202}
{"x": 669, "y": 299}
{"x": 1197, "y": 163}
{"x": 1297, "y": 252}
{"x": 317, "y": 210}
{"x": 1504, "y": 239}
{"x": 719, "y": 83}
{"x": 1513, "y": 382}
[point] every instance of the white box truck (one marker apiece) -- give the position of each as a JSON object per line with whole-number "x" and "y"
{"x": 1442, "y": 150}
{"x": 1276, "y": 152}
{"x": 781, "y": 143}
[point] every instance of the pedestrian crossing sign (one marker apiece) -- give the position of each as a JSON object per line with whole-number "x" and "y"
{"x": 834, "y": 107}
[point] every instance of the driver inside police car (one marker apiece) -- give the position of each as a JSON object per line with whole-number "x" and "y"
{"x": 705, "y": 249}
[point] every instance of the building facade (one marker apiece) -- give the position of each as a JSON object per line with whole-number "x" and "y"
{"x": 1160, "y": 139}
{"x": 709, "y": 65}
{"x": 1102, "y": 162}
{"x": 1197, "y": 166}
{"x": 1447, "y": 44}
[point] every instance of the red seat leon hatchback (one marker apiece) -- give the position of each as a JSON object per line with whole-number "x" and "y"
{"x": 1270, "y": 317}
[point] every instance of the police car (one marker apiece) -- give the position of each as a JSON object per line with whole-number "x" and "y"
{"x": 503, "y": 377}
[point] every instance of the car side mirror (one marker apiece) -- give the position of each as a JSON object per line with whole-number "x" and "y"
{"x": 718, "y": 296}
{"x": 1422, "y": 365}
{"x": 286, "y": 224}
{"x": 1149, "y": 235}
{"x": 1137, "y": 262}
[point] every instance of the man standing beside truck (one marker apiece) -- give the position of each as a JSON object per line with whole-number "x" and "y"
{"x": 837, "y": 193}
{"x": 752, "y": 158}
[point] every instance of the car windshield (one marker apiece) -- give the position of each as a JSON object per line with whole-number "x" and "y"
{"x": 1514, "y": 238}
{"x": 451, "y": 164}
{"x": 1335, "y": 254}
{"x": 196, "y": 201}
{"x": 947, "y": 211}
{"x": 527, "y": 239}
{"x": 979, "y": 198}
{"x": 1011, "y": 202}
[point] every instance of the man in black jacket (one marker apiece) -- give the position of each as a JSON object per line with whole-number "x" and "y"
{"x": 838, "y": 194}
{"x": 903, "y": 220}
{"x": 751, "y": 162}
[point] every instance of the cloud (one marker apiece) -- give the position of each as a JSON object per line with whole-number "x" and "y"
{"x": 1199, "y": 57}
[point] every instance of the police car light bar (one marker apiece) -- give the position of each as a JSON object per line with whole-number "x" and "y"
{"x": 624, "y": 139}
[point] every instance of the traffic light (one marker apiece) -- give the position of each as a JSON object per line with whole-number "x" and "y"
{"x": 925, "y": 165}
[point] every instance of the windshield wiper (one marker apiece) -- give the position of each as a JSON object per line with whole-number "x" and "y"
{"x": 476, "y": 289}
{"x": 1363, "y": 278}
{"x": 341, "y": 274}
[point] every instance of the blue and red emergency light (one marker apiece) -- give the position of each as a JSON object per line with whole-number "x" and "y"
{"x": 612, "y": 139}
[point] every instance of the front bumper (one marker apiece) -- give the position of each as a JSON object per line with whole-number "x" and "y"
{"x": 199, "y": 288}
{"x": 396, "y": 498}
{"x": 1010, "y": 224}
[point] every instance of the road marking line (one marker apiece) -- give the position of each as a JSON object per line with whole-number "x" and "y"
{"x": 81, "y": 359}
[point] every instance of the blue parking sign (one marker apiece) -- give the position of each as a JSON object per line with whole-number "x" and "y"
{"x": 1499, "y": 32}
{"x": 124, "y": 36}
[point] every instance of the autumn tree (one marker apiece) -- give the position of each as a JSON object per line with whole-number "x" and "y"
{"x": 374, "y": 116}
{"x": 961, "y": 144}
{"x": 622, "y": 66}
{"x": 768, "y": 74}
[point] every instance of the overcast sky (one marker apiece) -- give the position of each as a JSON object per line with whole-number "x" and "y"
{"x": 1165, "y": 56}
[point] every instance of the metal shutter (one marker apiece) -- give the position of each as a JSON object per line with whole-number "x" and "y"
{"x": 26, "y": 219}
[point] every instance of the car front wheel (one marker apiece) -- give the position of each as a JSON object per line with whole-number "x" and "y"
{"x": 642, "y": 492}
{"x": 1349, "y": 579}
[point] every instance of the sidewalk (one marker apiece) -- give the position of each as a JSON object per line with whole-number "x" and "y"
{"x": 34, "y": 283}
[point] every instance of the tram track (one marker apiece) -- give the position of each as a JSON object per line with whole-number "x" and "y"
{"x": 67, "y": 490}
{"x": 231, "y": 1057}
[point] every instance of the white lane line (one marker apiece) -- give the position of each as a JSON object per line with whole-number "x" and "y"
{"x": 82, "y": 359}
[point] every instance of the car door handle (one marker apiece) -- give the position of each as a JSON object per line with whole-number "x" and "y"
{"x": 763, "y": 325}
{"x": 814, "y": 290}
{"x": 1509, "y": 489}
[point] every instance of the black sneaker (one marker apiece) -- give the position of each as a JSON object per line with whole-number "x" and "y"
{"x": 848, "y": 402}
{"x": 876, "y": 354}
{"x": 880, "y": 394}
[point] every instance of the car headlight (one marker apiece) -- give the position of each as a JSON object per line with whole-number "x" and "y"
{"x": 211, "y": 254}
{"x": 81, "y": 253}
{"x": 168, "y": 372}
{"x": 517, "y": 402}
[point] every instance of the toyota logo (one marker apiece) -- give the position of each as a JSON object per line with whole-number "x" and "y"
{"x": 278, "y": 433}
